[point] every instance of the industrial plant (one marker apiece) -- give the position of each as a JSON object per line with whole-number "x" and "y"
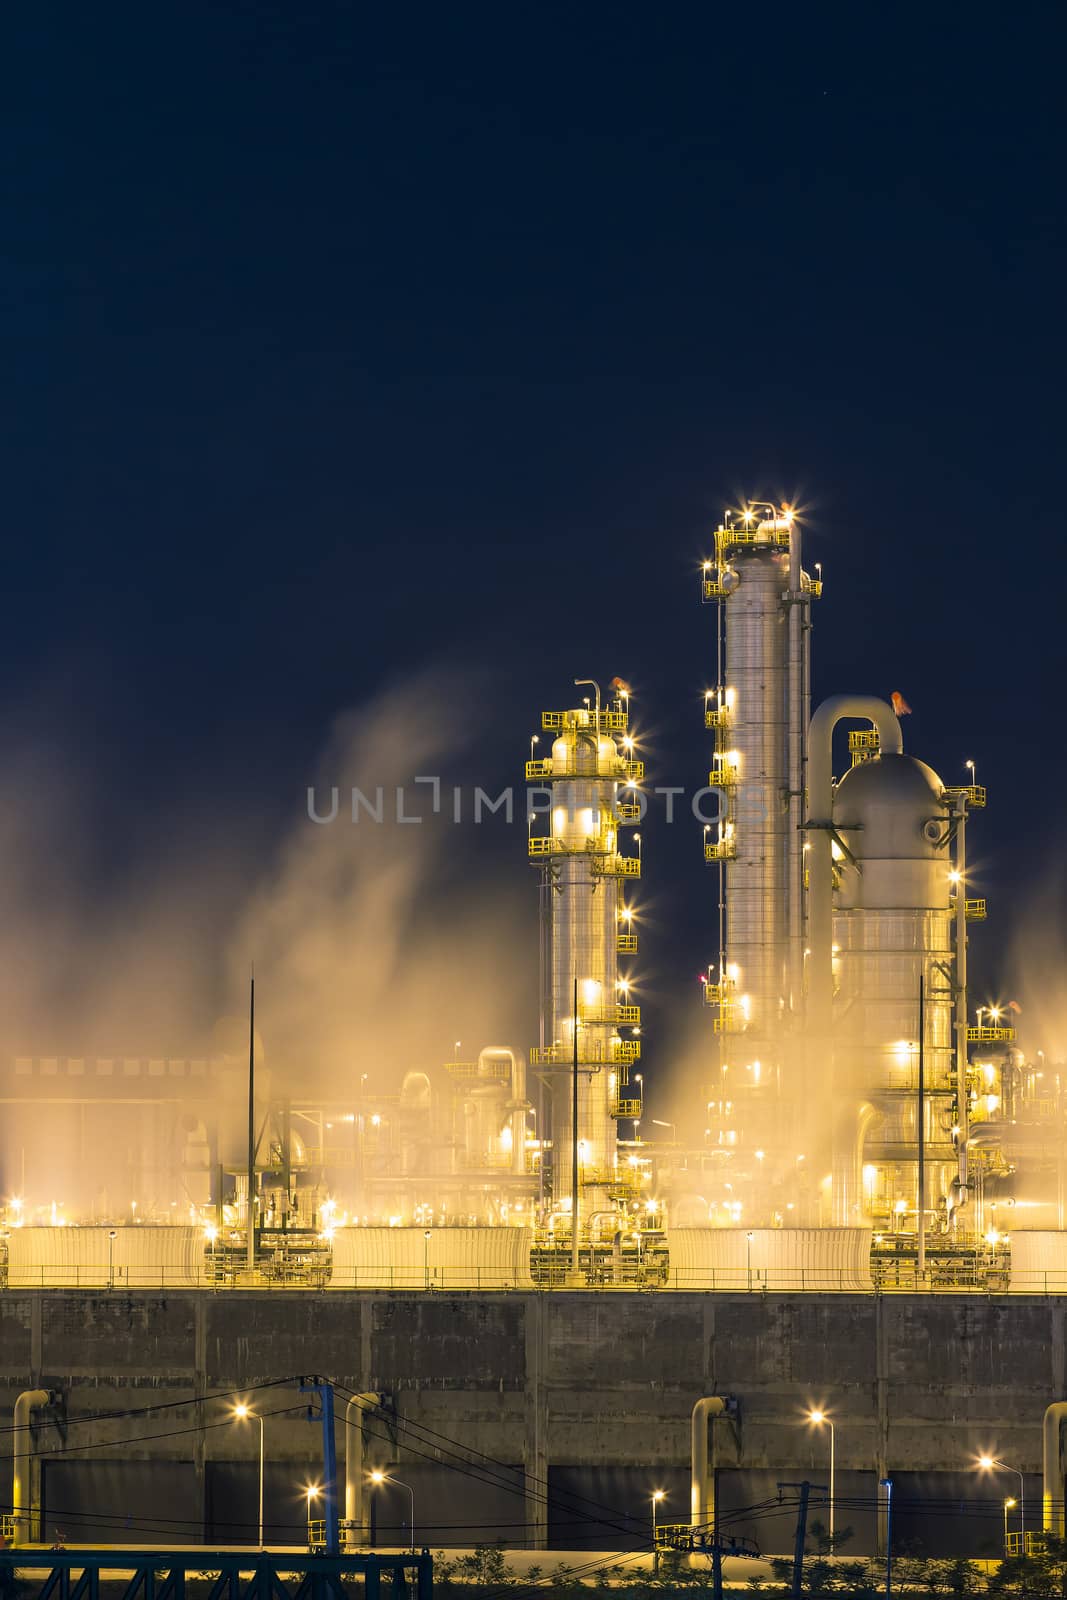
{"x": 857, "y": 1218}
{"x": 861, "y": 1123}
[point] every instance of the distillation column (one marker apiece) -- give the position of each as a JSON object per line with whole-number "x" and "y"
{"x": 892, "y": 928}
{"x": 588, "y": 784}
{"x": 758, "y": 711}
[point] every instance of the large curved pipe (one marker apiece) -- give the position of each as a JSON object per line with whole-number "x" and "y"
{"x": 356, "y": 1531}
{"x": 21, "y": 1508}
{"x": 702, "y": 1479}
{"x": 861, "y": 708}
{"x": 1052, "y": 1468}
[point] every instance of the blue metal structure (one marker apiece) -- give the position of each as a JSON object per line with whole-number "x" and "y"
{"x": 162, "y": 1574}
{"x": 324, "y": 1389}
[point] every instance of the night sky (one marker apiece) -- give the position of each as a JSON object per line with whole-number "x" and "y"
{"x": 342, "y": 345}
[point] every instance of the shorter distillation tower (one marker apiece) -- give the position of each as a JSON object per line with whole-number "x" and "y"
{"x": 589, "y": 790}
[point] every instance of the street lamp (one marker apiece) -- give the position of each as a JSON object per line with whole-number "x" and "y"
{"x": 748, "y": 1260}
{"x": 426, "y": 1257}
{"x": 112, "y": 1234}
{"x": 535, "y": 739}
{"x": 1007, "y": 1507}
{"x": 819, "y": 1418}
{"x": 673, "y": 1126}
{"x": 887, "y": 1485}
{"x": 242, "y": 1413}
{"x": 656, "y": 1496}
{"x": 378, "y": 1478}
{"x": 989, "y": 1463}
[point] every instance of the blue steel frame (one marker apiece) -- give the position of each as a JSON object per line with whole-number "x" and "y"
{"x": 161, "y": 1574}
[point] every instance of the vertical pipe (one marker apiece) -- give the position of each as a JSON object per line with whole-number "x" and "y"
{"x": 22, "y": 1510}
{"x": 251, "y": 1214}
{"x": 962, "y": 1121}
{"x": 702, "y": 1477}
{"x": 574, "y": 1138}
{"x": 1052, "y": 1519}
{"x": 921, "y": 1219}
{"x": 795, "y": 722}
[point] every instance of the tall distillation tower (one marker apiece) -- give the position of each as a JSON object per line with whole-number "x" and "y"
{"x": 758, "y": 711}
{"x": 589, "y": 784}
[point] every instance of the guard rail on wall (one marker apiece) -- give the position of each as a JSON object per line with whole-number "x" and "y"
{"x": 483, "y": 1280}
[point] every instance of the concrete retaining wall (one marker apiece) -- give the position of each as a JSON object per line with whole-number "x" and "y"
{"x": 565, "y": 1387}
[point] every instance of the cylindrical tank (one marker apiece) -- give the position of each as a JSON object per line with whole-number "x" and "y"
{"x": 892, "y": 926}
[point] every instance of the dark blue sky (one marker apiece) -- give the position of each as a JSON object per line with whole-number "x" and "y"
{"x": 340, "y": 343}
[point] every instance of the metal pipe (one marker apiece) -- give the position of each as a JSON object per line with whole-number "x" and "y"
{"x": 354, "y": 1526}
{"x": 961, "y": 1001}
{"x": 1052, "y": 1468}
{"x": 22, "y": 1508}
{"x": 702, "y": 1482}
{"x": 921, "y": 1132}
{"x": 574, "y": 1139}
{"x": 796, "y": 730}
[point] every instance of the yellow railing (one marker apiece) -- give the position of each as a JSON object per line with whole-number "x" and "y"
{"x": 549, "y": 845}
{"x": 990, "y": 1035}
{"x": 626, "y": 944}
{"x": 628, "y": 811}
{"x": 469, "y": 1069}
{"x": 629, "y": 1179}
{"x": 621, "y": 1015}
{"x": 545, "y": 845}
{"x": 624, "y": 1050}
{"x": 724, "y": 850}
{"x": 591, "y": 1053}
{"x": 812, "y": 586}
{"x": 974, "y": 910}
{"x": 626, "y": 1108}
{"x": 752, "y": 535}
{"x": 716, "y": 716}
{"x": 722, "y": 776}
{"x": 863, "y": 739}
{"x": 610, "y": 721}
{"x": 544, "y": 769}
{"x": 613, "y": 866}
{"x": 973, "y": 794}
{"x": 719, "y": 994}
{"x": 714, "y": 589}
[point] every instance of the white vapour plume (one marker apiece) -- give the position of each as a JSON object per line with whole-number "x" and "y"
{"x": 1039, "y": 962}
{"x": 373, "y": 953}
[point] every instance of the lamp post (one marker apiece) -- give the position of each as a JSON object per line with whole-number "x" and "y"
{"x": 887, "y": 1485}
{"x": 748, "y": 1260}
{"x": 990, "y": 1464}
{"x": 656, "y": 1123}
{"x": 378, "y": 1478}
{"x": 426, "y": 1258}
{"x": 656, "y": 1496}
{"x": 243, "y": 1413}
{"x": 1007, "y": 1507}
{"x": 819, "y": 1418}
{"x": 111, "y": 1236}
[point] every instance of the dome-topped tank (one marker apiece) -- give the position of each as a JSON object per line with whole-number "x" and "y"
{"x": 890, "y": 813}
